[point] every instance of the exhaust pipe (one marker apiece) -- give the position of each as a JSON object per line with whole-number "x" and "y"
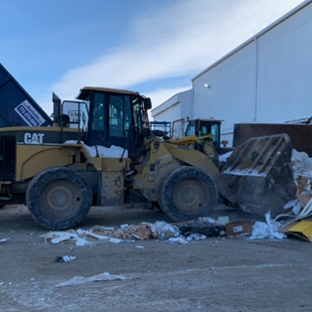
{"x": 56, "y": 110}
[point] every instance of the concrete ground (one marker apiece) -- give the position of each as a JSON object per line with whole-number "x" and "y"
{"x": 216, "y": 274}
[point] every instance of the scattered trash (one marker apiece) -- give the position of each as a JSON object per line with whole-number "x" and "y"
{"x": 302, "y": 171}
{"x": 142, "y": 231}
{"x": 223, "y": 220}
{"x": 301, "y": 164}
{"x": 163, "y": 230}
{"x": 208, "y": 219}
{"x": 196, "y": 236}
{"x": 180, "y": 233}
{"x": 79, "y": 237}
{"x": 238, "y": 228}
{"x": 183, "y": 232}
{"x": 267, "y": 230}
{"x": 177, "y": 240}
{"x": 295, "y": 205}
{"x": 115, "y": 240}
{"x": 4, "y": 240}
{"x": 200, "y": 227}
{"x": 64, "y": 258}
{"x": 101, "y": 228}
{"x": 96, "y": 278}
{"x": 126, "y": 233}
{"x": 1, "y": 283}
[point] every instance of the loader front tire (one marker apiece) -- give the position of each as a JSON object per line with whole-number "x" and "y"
{"x": 187, "y": 194}
{"x": 58, "y": 198}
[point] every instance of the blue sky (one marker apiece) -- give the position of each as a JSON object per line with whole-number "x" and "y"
{"x": 152, "y": 46}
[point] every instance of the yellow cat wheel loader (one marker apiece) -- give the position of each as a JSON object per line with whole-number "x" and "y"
{"x": 99, "y": 150}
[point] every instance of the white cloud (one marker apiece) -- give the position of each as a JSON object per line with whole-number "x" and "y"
{"x": 180, "y": 38}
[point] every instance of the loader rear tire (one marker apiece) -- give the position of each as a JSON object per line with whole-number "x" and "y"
{"x": 187, "y": 194}
{"x": 58, "y": 198}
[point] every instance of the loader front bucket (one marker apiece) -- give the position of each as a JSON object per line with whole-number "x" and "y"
{"x": 260, "y": 174}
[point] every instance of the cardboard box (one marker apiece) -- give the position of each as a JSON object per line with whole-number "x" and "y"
{"x": 301, "y": 229}
{"x": 238, "y": 228}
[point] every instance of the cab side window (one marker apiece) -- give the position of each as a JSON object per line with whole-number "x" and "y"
{"x": 215, "y": 133}
{"x": 98, "y": 112}
{"x": 119, "y": 115}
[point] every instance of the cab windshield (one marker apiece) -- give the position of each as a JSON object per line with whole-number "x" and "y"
{"x": 112, "y": 114}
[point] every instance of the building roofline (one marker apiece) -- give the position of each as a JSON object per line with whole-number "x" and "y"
{"x": 175, "y": 95}
{"x": 163, "y": 103}
{"x": 256, "y": 36}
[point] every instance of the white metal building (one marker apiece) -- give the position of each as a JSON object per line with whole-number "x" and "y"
{"x": 178, "y": 105}
{"x": 266, "y": 79}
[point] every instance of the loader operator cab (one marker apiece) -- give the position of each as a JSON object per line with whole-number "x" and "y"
{"x": 200, "y": 127}
{"x": 116, "y": 117}
{"x": 197, "y": 127}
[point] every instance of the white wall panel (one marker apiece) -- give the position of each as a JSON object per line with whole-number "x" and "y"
{"x": 285, "y": 65}
{"x": 267, "y": 79}
{"x": 232, "y": 89}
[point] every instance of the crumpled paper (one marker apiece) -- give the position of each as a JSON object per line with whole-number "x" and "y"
{"x": 267, "y": 230}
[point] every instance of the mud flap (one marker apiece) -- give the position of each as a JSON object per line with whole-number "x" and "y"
{"x": 259, "y": 173}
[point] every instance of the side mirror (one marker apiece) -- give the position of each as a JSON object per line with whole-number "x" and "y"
{"x": 147, "y": 103}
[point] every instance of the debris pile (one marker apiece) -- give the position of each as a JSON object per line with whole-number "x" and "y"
{"x": 301, "y": 207}
{"x": 296, "y": 222}
{"x": 180, "y": 233}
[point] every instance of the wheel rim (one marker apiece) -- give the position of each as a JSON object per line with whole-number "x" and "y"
{"x": 60, "y": 199}
{"x": 189, "y": 195}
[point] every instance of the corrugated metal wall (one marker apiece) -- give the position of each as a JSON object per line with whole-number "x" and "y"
{"x": 285, "y": 69}
{"x": 267, "y": 80}
{"x": 232, "y": 89}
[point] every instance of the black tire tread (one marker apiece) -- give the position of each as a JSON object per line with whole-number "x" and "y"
{"x": 40, "y": 181}
{"x": 177, "y": 175}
